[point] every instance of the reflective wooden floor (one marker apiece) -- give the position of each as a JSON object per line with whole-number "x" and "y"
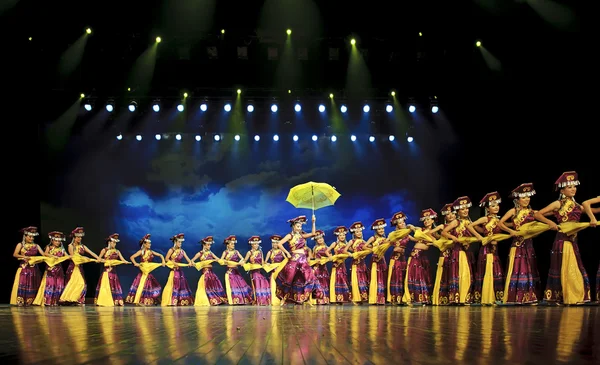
{"x": 300, "y": 334}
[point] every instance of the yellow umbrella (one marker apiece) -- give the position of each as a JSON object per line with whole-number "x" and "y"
{"x": 312, "y": 195}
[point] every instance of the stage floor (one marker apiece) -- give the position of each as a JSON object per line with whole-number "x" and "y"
{"x": 300, "y": 334}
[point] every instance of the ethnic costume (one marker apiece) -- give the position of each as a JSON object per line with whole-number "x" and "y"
{"x": 237, "y": 290}
{"x": 417, "y": 285}
{"x": 260, "y": 285}
{"x": 440, "y": 294}
{"x": 210, "y": 290}
{"x": 177, "y": 290}
{"x": 489, "y": 277}
{"x": 359, "y": 276}
{"x": 339, "y": 289}
{"x": 397, "y": 268}
{"x": 27, "y": 278}
{"x": 377, "y": 291}
{"x": 109, "y": 281}
{"x": 276, "y": 256}
{"x": 460, "y": 285}
{"x": 298, "y": 281}
{"x": 145, "y": 289}
{"x": 53, "y": 281}
{"x": 321, "y": 272}
{"x": 522, "y": 276}
{"x": 76, "y": 286}
{"x": 568, "y": 281}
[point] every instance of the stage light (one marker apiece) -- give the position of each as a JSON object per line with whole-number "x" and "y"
{"x": 236, "y": 137}
{"x": 353, "y": 138}
{"x": 412, "y": 108}
{"x": 227, "y": 107}
{"x": 158, "y": 137}
{"x": 156, "y": 108}
{"x": 330, "y": 96}
{"x": 434, "y": 109}
{"x": 120, "y": 137}
{"x": 322, "y": 108}
{"x": 391, "y": 138}
{"x": 185, "y": 95}
{"x": 128, "y": 89}
{"x": 158, "y": 39}
{"x": 87, "y": 106}
{"x": 295, "y": 138}
{"x": 366, "y": 108}
{"x": 198, "y": 138}
{"x": 314, "y": 138}
{"x": 297, "y": 108}
{"x": 289, "y": 91}
{"x": 138, "y": 137}
{"x": 289, "y": 32}
{"x": 257, "y": 138}
{"x": 343, "y": 109}
{"x": 239, "y": 91}
{"x": 217, "y": 137}
{"x": 203, "y": 107}
{"x": 250, "y": 108}
{"x": 30, "y": 38}
{"x": 393, "y": 93}
{"x": 222, "y": 31}
{"x": 276, "y": 138}
{"x": 420, "y": 34}
{"x": 88, "y": 30}
{"x": 434, "y": 105}
{"x": 409, "y": 139}
{"x": 371, "y": 139}
{"x": 478, "y": 43}
{"x": 353, "y": 41}
{"x": 132, "y": 106}
{"x": 109, "y": 108}
{"x": 82, "y": 95}
{"x": 333, "y": 138}
{"x": 180, "y": 107}
{"x": 389, "y": 108}
{"x": 178, "y": 137}
{"x": 274, "y": 108}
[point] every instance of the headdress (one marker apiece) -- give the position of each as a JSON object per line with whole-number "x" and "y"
{"x": 462, "y": 203}
{"x": 56, "y": 235}
{"x": 318, "y": 234}
{"x": 566, "y": 179}
{"x": 356, "y": 226}
{"x": 490, "y": 198}
{"x": 427, "y": 213}
{"x": 299, "y": 219}
{"x": 396, "y": 217}
{"x": 30, "y": 231}
{"x": 523, "y": 190}
{"x": 78, "y": 232}
{"x": 379, "y": 223}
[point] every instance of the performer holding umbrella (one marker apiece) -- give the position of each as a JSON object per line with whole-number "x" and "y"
{"x": 297, "y": 278}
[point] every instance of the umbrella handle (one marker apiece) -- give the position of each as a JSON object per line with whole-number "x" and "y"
{"x": 313, "y": 200}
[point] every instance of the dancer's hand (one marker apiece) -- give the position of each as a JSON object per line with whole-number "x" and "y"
{"x": 554, "y": 226}
{"x": 314, "y": 218}
{"x": 593, "y": 223}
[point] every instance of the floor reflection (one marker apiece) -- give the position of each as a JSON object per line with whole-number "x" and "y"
{"x": 273, "y": 335}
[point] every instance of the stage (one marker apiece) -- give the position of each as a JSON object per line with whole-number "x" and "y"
{"x": 300, "y": 334}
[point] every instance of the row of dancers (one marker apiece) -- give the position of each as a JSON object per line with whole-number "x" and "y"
{"x": 301, "y": 275}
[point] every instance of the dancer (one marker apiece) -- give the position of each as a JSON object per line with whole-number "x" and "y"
{"x": 177, "y": 291}
{"x": 489, "y": 278}
{"x": 522, "y": 277}
{"x": 238, "y": 291}
{"x": 76, "y": 286}
{"x": 338, "y": 282}
{"x": 441, "y": 291}
{"x": 461, "y": 272}
{"x": 275, "y": 256}
{"x": 397, "y": 268}
{"x": 298, "y": 281}
{"x": 260, "y": 284}
{"x": 587, "y": 206}
{"x": 321, "y": 252}
{"x": 109, "y": 281}
{"x": 145, "y": 289}
{"x": 210, "y": 290}
{"x": 417, "y": 285}
{"x": 568, "y": 282}
{"x": 27, "y": 278}
{"x": 377, "y": 290}
{"x": 359, "y": 276}
{"x": 53, "y": 281}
